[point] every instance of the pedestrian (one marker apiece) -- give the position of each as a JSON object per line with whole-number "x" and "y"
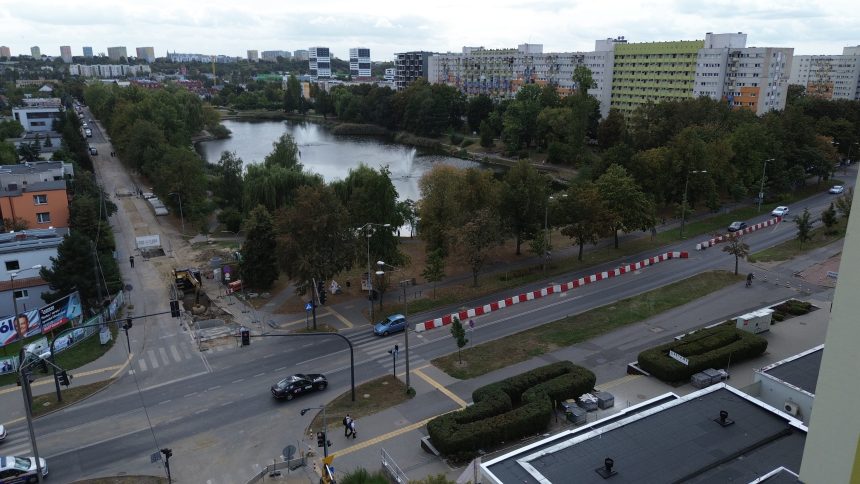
{"x": 346, "y": 423}
{"x": 131, "y": 261}
{"x": 352, "y": 428}
{"x": 749, "y": 279}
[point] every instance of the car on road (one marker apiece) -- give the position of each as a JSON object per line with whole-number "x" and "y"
{"x": 16, "y": 470}
{"x": 2, "y": 433}
{"x": 780, "y": 211}
{"x": 391, "y": 324}
{"x": 837, "y": 189}
{"x": 735, "y": 226}
{"x": 93, "y": 150}
{"x": 294, "y": 385}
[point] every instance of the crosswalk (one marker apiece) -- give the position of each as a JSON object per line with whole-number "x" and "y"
{"x": 377, "y": 348}
{"x": 154, "y": 358}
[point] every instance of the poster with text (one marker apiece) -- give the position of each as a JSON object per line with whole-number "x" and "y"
{"x": 60, "y": 312}
{"x": 13, "y": 328}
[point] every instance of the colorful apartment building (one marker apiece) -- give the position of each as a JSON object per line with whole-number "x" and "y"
{"x": 35, "y": 193}
{"x": 829, "y": 76}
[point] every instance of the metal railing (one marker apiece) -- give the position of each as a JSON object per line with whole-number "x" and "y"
{"x": 391, "y": 467}
{"x": 275, "y": 469}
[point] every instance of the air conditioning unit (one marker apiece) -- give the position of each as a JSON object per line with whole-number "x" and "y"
{"x": 791, "y": 408}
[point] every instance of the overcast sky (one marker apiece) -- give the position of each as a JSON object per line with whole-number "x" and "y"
{"x": 387, "y": 26}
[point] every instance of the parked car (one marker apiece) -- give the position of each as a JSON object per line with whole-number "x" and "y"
{"x": 297, "y": 384}
{"x": 735, "y": 226}
{"x": 20, "y": 469}
{"x": 780, "y": 211}
{"x": 391, "y": 324}
{"x": 93, "y": 150}
{"x": 837, "y": 189}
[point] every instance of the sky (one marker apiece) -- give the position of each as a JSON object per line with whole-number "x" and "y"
{"x": 387, "y": 26}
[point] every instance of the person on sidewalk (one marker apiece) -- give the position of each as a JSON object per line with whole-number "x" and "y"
{"x": 131, "y": 261}
{"x": 346, "y": 423}
{"x": 352, "y": 428}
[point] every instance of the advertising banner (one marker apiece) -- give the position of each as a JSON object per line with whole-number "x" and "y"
{"x": 38, "y": 321}
{"x": 21, "y": 326}
{"x": 8, "y": 364}
{"x": 60, "y": 312}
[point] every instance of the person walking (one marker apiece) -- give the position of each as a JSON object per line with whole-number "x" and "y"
{"x": 131, "y": 261}
{"x": 750, "y": 277}
{"x": 346, "y": 424}
{"x": 352, "y": 428}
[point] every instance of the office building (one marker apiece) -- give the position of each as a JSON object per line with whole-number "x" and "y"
{"x": 300, "y": 55}
{"x": 359, "y": 63}
{"x": 410, "y": 66}
{"x": 390, "y": 72}
{"x": 253, "y": 56}
{"x": 146, "y": 53}
{"x": 38, "y": 114}
{"x": 117, "y": 53}
{"x": 272, "y": 55}
{"x": 88, "y": 52}
{"x": 319, "y": 62}
{"x": 66, "y": 54}
{"x": 829, "y": 76}
{"x": 36, "y": 52}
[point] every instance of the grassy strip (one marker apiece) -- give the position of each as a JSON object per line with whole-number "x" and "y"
{"x": 125, "y": 480}
{"x": 43, "y": 404}
{"x": 789, "y": 249}
{"x": 370, "y": 397}
{"x": 521, "y": 346}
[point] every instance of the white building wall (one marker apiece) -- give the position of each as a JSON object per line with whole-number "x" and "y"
{"x": 319, "y": 62}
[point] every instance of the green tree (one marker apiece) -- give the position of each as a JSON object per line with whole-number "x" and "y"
{"x": 804, "y": 227}
{"x": 78, "y": 267}
{"x": 362, "y": 476}
{"x": 477, "y": 236}
{"x": 477, "y": 111}
{"x": 459, "y": 334}
{"x": 10, "y": 128}
{"x": 487, "y": 134}
{"x": 539, "y": 246}
{"x": 630, "y": 208}
{"x": 8, "y": 154}
{"x": 28, "y": 152}
{"x": 315, "y": 240}
{"x": 408, "y": 211}
{"x": 229, "y": 187}
{"x": 524, "y": 196}
{"x": 435, "y": 269}
{"x": 583, "y": 80}
{"x": 738, "y": 248}
{"x": 612, "y": 130}
{"x": 583, "y": 214}
{"x": 285, "y": 153}
{"x": 86, "y": 216}
{"x": 323, "y": 103}
{"x": 293, "y": 95}
{"x": 828, "y": 217}
{"x": 843, "y": 203}
{"x": 15, "y": 224}
{"x": 259, "y": 256}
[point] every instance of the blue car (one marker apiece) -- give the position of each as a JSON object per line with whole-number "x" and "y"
{"x": 391, "y": 324}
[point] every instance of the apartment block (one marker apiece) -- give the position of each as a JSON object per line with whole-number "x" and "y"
{"x": 38, "y": 114}
{"x": 146, "y": 53}
{"x": 36, "y": 52}
{"x": 36, "y": 193}
{"x": 319, "y": 62}
{"x": 829, "y": 76}
{"x": 272, "y": 55}
{"x": 409, "y": 67}
{"x": 88, "y": 52}
{"x": 359, "y": 63}
{"x": 253, "y": 56}
{"x": 66, "y": 54}
{"x": 5, "y": 52}
{"x": 301, "y": 55}
{"x": 117, "y": 53}
{"x": 109, "y": 71}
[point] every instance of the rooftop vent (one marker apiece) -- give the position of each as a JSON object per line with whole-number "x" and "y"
{"x": 724, "y": 419}
{"x": 606, "y": 471}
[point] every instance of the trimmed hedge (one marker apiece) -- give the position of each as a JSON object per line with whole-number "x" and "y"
{"x": 509, "y": 409}
{"x": 706, "y": 348}
{"x": 792, "y": 307}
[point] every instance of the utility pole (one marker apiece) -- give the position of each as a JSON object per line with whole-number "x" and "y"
{"x": 761, "y": 189}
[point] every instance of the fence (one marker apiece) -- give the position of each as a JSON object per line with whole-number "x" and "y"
{"x": 275, "y": 469}
{"x": 391, "y": 468}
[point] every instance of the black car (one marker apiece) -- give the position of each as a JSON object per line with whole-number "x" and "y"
{"x": 298, "y": 384}
{"x": 736, "y": 226}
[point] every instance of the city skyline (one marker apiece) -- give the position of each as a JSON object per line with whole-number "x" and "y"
{"x": 387, "y": 27}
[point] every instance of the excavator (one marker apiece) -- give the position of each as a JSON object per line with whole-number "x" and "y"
{"x": 188, "y": 280}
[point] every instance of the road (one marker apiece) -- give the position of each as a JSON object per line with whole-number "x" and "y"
{"x": 214, "y": 409}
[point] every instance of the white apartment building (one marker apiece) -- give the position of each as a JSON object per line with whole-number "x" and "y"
{"x": 272, "y": 55}
{"x": 390, "y": 72}
{"x": 829, "y": 76}
{"x": 359, "y": 63}
{"x": 109, "y": 71}
{"x": 319, "y": 62}
{"x": 253, "y": 56}
{"x": 117, "y": 53}
{"x": 66, "y": 53}
{"x": 300, "y": 55}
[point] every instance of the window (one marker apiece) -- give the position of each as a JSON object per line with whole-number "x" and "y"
{"x": 40, "y": 199}
{"x": 21, "y": 294}
{"x": 12, "y": 265}
{"x": 43, "y": 217}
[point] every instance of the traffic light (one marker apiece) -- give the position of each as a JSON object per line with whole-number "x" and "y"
{"x": 174, "y": 308}
{"x": 127, "y": 325}
{"x": 246, "y": 337}
{"x": 64, "y": 378}
{"x": 322, "y": 297}
{"x": 168, "y": 453}
{"x": 320, "y": 439}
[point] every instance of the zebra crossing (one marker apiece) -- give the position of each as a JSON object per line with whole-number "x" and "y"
{"x": 154, "y": 358}
{"x": 377, "y": 348}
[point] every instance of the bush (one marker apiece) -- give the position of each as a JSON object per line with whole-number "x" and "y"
{"x": 509, "y": 409}
{"x": 706, "y": 348}
{"x": 456, "y": 139}
{"x": 467, "y": 142}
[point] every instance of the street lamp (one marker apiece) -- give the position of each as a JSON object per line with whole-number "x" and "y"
{"x": 12, "y": 277}
{"x": 684, "y": 203}
{"x": 369, "y": 233}
{"x": 547, "y": 237}
{"x": 404, "y": 284}
{"x": 325, "y": 426}
{"x": 181, "y": 216}
{"x": 761, "y": 189}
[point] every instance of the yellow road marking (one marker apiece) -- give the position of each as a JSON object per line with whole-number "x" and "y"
{"x": 459, "y": 401}
{"x": 376, "y": 440}
{"x": 48, "y": 381}
{"x": 340, "y": 317}
{"x": 619, "y": 381}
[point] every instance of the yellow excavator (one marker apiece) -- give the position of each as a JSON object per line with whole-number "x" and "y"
{"x": 188, "y": 280}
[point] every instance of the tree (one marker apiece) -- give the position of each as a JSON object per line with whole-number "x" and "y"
{"x": 285, "y": 153}
{"x": 362, "y": 476}
{"x": 524, "y": 195}
{"x": 28, "y": 152}
{"x": 230, "y": 184}
{"x": 259, "y": 268}
{"x": 804, "y": 227}
{"x": 612, "y": 130}
{"x": 843, "y": 202}
{"x": 459, "y": 334}
{"x": 15, "y": 224}
{"x": 477, "y": 111}
{"x": 540, "y": 246}
{"x": 583, "y": 80}
{"x": 78, "y": 267}
{"x": 630, "y": 208}
{"x": 487, "y": 134}
{"x": 293, "y": 95}
{"x": 828, "y": 217}
{"x": 737, "y": 248}
{"x": 584, "y": 215}
{"x": 477, "y": 237}
{"x": 435, "y": 269}
{"x": 408, "y": 211}
{"x": 8, "y": 154}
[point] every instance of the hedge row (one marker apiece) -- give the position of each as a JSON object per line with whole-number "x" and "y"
{"x": 707, "y": 348}
{"x": 509, "y": 409}
{"x": 792, "y": 307}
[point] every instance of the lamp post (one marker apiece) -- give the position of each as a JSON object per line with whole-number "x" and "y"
{"x": 181, "y": 216}
{"x": 404, "y": 284}
{"x": 684, "y": 203}
{"x": 369, "y": 233}
{"x": 547, "y": 237}
{"x": 325, "y": 426}
{"x": 761, "y": 188}
{"x": 12, "y": 277}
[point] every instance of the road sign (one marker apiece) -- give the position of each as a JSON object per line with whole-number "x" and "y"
{"x": 309, "y": 307}
{"x": 155, "y": 457}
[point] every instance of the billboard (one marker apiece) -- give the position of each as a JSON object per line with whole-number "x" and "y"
{"x": 60, "y": 312}
{"x": 38, "y": 321}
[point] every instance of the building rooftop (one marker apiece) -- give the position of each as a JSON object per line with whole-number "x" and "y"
{"x": 681, "y": 439}
{"x": 14, "y": 191}
{"x": 800, "y": 370}
{"x": 41, "y": 102}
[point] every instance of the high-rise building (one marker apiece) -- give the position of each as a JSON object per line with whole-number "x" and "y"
{"x": 410, "y": 66}
{"x": 359, "y": 63}
{"x": 829, "y": 76}
{"x": 319, "y": 62}
{"x": 272, "y": 55}
{"x": 253, "y": 56}
{"x": 146, "y": 53}
{"x": 300, "y": 55}
{"x": 5, "y": 52}
{"x": 36, "y": 52}
{"x": 117, "y": 53}
{"x": 88, "y": 52}
{"x": 66, "y": 54}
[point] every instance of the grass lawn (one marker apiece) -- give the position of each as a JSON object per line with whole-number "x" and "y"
{"x": 370, "y": 397}
{"x": 43, "y": 404}
{"x": 521, "y": 346}
{"x": 789, "y": 249}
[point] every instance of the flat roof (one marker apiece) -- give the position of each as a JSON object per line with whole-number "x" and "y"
{"x": 679, "y": 440}
{"x": 800, "y": 370}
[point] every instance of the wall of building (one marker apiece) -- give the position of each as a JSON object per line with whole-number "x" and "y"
{"x": 36, "y": 119}
{"x": 26, "y": 206}
{"x": 776, "y": 394}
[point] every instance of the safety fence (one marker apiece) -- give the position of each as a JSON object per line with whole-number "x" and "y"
{"x": 752, "y": 228}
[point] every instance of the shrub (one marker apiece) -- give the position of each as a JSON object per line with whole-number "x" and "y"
{"x": 456, "y": 138}
{"x": 467, "y": 142}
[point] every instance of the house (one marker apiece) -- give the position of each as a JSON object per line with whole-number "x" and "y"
{"x": 38, "y": 114}
{"x": 35, "y": 194}
{"x": 22, "y": 255}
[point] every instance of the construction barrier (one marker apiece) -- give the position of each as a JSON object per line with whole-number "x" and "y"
{"x": 731, "y": 235}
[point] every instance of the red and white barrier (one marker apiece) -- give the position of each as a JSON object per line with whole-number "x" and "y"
{"x": 731, "y": 235}
{"x": 554, "y": 289}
